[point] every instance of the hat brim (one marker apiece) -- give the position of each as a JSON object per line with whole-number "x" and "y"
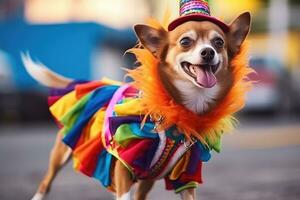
{"x": 197, "y": 17}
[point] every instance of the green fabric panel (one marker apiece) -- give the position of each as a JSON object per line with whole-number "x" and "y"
{"x": 218, "y": 144}
{"x": 186, "y": 186}
{"x": 69, "y": 119}
{"x": 124, "y": 135}
{"x": 215, "y": 144}
{"x": 125, "y": 100}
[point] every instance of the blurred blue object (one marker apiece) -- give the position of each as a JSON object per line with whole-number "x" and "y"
{"x": 64, "y": 48}
{"x": 6, "y": 75}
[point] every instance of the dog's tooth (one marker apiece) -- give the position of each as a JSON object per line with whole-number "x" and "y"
{"x": 192, "y": 69}
{"x": 185, "y": 64}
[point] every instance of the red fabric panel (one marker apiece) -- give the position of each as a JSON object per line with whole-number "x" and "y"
{"x": 135, "y": 150}
{"x": 87, "y": 154}
{"x": 53, "y": 99}
{"x": 197, "y": 176}
{"x": 82, "y": 89}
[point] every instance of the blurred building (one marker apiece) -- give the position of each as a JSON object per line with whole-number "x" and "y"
{"x": 67, "y": 34}
{"x": 116, "y": 13}
{"x": 79, "y": 39}
{"x": 274, "y": 45}
{"x": 85, "y": 39}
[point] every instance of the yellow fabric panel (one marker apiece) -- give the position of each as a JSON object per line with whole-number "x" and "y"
{"x": 180, "y": 167}
{"x": 75, "y": 163}
{"x": 63, "y": 105}
{"x": 96, "y": 124}
{"x": 131, "y": 107}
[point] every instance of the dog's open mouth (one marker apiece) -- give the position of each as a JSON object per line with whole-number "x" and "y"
{"x": 204, "y": 75}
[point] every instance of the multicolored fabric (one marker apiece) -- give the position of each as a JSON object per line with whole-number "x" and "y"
{"x": 195, "y": 10}
{"x": 194, "y": 6}
{"x": 103, "y": 121}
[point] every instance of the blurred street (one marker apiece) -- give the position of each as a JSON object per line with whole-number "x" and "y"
{"x": 260, "y": 161}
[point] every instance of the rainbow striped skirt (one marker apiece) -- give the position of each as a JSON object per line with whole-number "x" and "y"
{"x": 101, "y": 122}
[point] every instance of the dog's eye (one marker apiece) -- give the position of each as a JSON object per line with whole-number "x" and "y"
{"x": 218, "y": 42}
{"x": 186, "y": 42}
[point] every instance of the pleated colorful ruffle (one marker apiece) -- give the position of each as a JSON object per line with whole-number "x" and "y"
{"x": 101, "y": 122}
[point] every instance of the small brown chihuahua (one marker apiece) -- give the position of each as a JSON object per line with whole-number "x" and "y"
{"x": 194, "y": 61}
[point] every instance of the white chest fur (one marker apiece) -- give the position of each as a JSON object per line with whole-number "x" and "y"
{"x": 194, "y": 98}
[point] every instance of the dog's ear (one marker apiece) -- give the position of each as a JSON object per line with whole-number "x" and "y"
{"x": 152, "y": 39}
{"x": 238, "y": 31}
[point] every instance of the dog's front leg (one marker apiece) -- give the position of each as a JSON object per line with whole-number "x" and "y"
{"x": 123, "y": 181}
{"x": 143, "y": 188}
{"x": 188, "y": 194}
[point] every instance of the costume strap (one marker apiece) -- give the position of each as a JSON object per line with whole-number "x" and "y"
{"x": 119, "y": 95}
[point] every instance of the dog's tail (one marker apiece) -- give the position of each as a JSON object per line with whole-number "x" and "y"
{"x": 43, "y": 75}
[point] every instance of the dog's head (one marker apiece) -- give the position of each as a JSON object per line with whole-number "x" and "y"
{"x": 194, "y": 59}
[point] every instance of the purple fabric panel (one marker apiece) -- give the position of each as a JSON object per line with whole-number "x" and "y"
{"x": 115, "y": 122}
{"x": 195, "y": 154}
{"x": 69, "y": 88}
{"x": 144, "y": 162}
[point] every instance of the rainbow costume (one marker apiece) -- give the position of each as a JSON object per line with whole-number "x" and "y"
{"x": 104, "y": 120}
{"x": 141, "y": 125}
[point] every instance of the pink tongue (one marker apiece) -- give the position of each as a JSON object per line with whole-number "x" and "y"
{"x": 205, "y": 77}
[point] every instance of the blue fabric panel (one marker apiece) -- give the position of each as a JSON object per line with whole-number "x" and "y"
{"x": 146, "y": 132}
{"x": 102, "y": 172}
{"x": 99, "y": 98}
{"x": 205, "y": 153}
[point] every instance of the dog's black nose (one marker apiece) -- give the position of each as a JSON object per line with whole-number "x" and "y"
{"x": 207, "y": 54}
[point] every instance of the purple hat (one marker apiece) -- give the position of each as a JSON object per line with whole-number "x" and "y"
{"x": 196, "y": 10}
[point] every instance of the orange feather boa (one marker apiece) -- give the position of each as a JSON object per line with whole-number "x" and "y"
{"x": 157, "y": 102}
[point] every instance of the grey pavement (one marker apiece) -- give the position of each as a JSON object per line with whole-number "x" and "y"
{"x": 257, "y": 163}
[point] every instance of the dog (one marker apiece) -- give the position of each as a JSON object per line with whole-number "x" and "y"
{"x": 194, "y": 67}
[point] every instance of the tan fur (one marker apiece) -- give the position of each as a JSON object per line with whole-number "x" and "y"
{"x": 43, "y": 75}
{"x": 167, "y": 71}
{"x": 122, "y": 179}
{"x": 59, "y": 155}
{"x": 143, "y": 188}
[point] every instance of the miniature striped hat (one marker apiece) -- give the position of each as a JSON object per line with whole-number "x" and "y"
{"x": 195, "y": 10}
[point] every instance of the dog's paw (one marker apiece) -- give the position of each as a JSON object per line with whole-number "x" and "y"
{"x": 38, "y": 196}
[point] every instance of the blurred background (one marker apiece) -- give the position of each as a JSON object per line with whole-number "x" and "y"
{"x": 86, "y": 39}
